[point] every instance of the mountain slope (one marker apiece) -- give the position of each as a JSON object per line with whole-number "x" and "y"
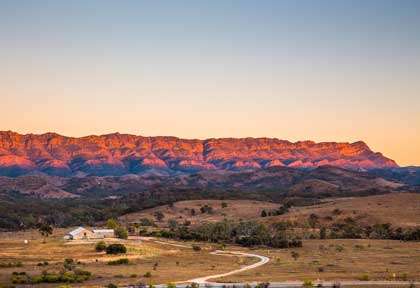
{"x": 121, "y": 154}
{"x": 276, "y": 182}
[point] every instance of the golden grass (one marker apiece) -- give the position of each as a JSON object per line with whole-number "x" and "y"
{"x": 399, "y": 209}
{"x": 173, "y": 263}
{"x": 181, "y": 211}
{"x": 379, "y": 259}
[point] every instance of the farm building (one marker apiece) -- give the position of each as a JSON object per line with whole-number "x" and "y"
{"x": 83, "y": 233}
{"x": 103, "y": 233}
{"x": 79, "y": 233}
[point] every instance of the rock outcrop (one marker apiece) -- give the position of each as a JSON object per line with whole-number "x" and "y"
{"x": 121, "y": 154}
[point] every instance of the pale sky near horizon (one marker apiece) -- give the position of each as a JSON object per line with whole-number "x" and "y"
{"x": 296, "y": 70}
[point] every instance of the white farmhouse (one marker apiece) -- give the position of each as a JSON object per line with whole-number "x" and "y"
{"x": 79, "y": 233}
{"x": 83, "y": 233}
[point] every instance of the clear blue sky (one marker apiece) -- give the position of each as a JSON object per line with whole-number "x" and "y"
{"x": 319, "y": 70}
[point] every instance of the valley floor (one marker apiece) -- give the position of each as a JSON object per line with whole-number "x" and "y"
{"x": 318, "y": 259}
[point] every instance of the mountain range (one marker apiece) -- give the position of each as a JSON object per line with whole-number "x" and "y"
{"x": 122, "y": 154}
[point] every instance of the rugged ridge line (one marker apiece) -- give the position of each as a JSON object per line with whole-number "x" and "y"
{"x": 120, "y": 154}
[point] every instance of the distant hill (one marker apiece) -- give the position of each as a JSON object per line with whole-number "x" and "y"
{"x": 274, "y": 182}
{"x": 123, "y": 154}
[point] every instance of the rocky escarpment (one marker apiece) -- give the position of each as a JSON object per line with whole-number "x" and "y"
{"x": 120, "y": 154}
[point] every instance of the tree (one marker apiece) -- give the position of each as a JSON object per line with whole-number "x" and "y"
{"x": 313, "y": 220}
{"x": 112, "y": 223}
{"x": 121, "y": 232}
{"x": 116, "y": 249}
{"x": 159, "y": 216}
{"x": 322, "y": 233}
{"x": 263, "y": 213}
{"x": 45, "y": 230}
{"x": 100, "y": 246}
{"x": 172, "y": 224}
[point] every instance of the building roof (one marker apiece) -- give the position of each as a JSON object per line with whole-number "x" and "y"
{"x": 77, "y": 231}
{"x": 103, "y": 231}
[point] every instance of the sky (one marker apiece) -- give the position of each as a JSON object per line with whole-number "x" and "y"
{"x": 297, "y": 70}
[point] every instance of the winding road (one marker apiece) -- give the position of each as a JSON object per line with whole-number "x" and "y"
{"x": 204, "y": 280}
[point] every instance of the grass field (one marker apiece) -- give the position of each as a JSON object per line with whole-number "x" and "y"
{"x": 399, "y": 209}
{"x": 338, "y": 259}
{"x": 173, "y": 263}
{"x": 318, "y": 259}
{"x": 181, "y": 211}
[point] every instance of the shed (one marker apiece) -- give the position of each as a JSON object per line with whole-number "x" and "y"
{"x": 103, "y": 233}
{"x": 79, "y": 233}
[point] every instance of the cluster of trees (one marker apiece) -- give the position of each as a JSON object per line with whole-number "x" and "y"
{"x": 245, "y": 233}
{"x": 350, "y": 229}
{"x": 280, "y": 211}
{"x": 120, "y": 231}
{"x": 69, "y": 274}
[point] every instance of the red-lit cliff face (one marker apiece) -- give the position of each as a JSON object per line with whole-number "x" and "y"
{"x": 119, "y": 154}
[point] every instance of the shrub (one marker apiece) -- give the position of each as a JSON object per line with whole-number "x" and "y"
{"x": 69, "y": 264}
{"x": 121, "y": 261}
{"x": 364, "y": 277}
{"x": 171, "y": 285}
{"x": 121, "y": 232}
{"x": 146, "y": 222}
{"x": 224, "y": 205}
{"x": 100, "y": 246}
{"x": 147, "y": 275}
{"x": 196, "y": 248}
{"x": 307, "y": 284}
{"x": 263, "y": 213}
{"x": 295, "y": 255}
{"x": 11, "y": 264}
{"x": 322, "y": 233}
{"x": 116, "y": 249}
{"x": 159, "y": 216}
{"x": 339, "y": 248}
{"x": 206, "y": 209}
{"x": 111, "y": 285}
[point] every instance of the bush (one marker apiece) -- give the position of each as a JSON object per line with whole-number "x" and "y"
{"x": 147, "y": 275}
{"x": 224, "y": 205}
{"x": 122, "y": 261}
{"x": 146, "y": 222}
{"x": 111, "y": 285}
{"x": 307, "y": 284}
{"x": 11, "y": 264}
{"x": 121, "y": 232}
{"x": 196, "y": 248}
{"x": 116, "y": 249}
{"x": 100, "y": 246}
{"x": 170, "y": 285}
{"x": 364, "y": 277}
{"x": 64, "y": 277}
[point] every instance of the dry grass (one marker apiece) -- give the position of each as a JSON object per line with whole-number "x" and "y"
{"x": 173, "y": 263}
{"x": 379, "y": 259}
{"x": 181, "y": 211}
{"x": 399, "y": 209}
